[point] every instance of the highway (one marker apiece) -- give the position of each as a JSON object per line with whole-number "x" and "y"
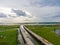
{"x": 27, "y": 37}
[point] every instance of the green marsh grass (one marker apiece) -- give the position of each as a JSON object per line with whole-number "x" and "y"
{"x": 47, "y": 32}
{"x": 8, "y": 34}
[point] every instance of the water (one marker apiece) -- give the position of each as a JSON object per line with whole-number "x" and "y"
{"x": 57, "y": 31}
{"x": 40, "y": 24}
{"x": 20, "y": 39}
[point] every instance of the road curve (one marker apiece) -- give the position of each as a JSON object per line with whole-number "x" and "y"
{"x": 27, "y": 37}
{"x": 30, "y": 37}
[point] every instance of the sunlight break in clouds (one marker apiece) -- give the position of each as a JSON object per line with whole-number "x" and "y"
{"x": 15, "y": 16}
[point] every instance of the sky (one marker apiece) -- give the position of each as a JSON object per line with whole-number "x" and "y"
{"x": 20, "y": 11}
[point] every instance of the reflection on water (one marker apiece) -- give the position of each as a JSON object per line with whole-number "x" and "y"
{"x": 57, "y": 31}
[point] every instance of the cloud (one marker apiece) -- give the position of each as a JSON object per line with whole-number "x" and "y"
{"x": 19, "y": 4}
{"x": 54, "y": 17}
{"x": 45, "y": 3}
{"x": 45, "y": 13}
{"x": 57, "y": 15}
{"x": 2, "y": 15}
{"x": 19, "y": 12}
{"x": 30, "y": 10}
{"x": 15, "y": 16}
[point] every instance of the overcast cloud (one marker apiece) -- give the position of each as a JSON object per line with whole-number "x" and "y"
{"x": 16, "y": 11}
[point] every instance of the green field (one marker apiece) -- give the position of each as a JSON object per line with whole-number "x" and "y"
{"x": 8, "y": 35}
{"x": 47, "y": 32}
